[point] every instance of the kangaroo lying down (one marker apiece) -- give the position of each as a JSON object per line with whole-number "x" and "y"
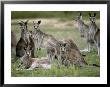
{"x": 40, "y": 63}
{"x": 70, "y": 54}
{"x": 32, "y": 63}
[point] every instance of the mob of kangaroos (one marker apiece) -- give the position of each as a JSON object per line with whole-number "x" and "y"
{"x": 65, "y": 51}
{"x": 91, "y": 32}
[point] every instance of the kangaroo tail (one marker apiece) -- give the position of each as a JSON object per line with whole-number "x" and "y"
{"x": 83, "y": 55}
{"x": 94, "y": 65}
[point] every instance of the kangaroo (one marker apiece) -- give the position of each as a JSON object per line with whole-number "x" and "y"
{"x": 94, "y": 33}
{"x": 24, "y": 39}
{"x": 83, "y": 28}
{"x": 43, "y": 40}
{"x": 30, "y": 63}
{"x": 70, "y": 54}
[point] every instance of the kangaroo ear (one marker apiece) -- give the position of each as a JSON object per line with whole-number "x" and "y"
{"x": 64, "y": 44}
{"x": 39, "y": 22}
{"x": 20, "y": 23}
{"x": 26, "y": 22}
{"x": 33, "y": 22}
{"x": 89, "y": 14}
{"x": 59, "y": 43}
{"x": 94, "y": 14}
{"x": 80, "y": 14}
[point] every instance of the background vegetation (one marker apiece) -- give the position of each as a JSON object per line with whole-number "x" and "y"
{"x": 50, "y": 14}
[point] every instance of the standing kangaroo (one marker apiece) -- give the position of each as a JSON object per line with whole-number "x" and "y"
{"x": 24, "y": 39}
{"x": 30, "y": 63}
{"x": 94, "y": 33}
{"x": 83, "y": 28}
{"x": 43, "y": 40}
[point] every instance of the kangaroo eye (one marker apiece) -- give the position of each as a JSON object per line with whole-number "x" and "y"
{"x": 25, "y": 48}
{"x": 30, "y": 48}
{"x": 64, "y": 44}
{"x": 60, "y": 45}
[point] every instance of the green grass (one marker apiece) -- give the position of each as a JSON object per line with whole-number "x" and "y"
{"x": 59, "y": 33}
{"x": 51, "y": 14}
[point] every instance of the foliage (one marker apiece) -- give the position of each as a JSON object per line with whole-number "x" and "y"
{"x": 70, "y": 15}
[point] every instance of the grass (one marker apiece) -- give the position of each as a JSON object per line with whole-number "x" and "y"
{"x": 68, "y": 15}
{"x": 59, "y": 33}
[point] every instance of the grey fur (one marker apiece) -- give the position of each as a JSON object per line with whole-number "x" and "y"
{"x": 24, "y": 40}
{"x": 30, "y": 63}
{"x": 83, "y": 28}
{"x": 43, "y": 40}
{"x": 70, "y": 53}
{"x": 94, "y": 33}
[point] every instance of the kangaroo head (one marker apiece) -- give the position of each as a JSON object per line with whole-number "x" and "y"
{"x": 28, "y": 48}
{"x": 64, "y": 46}
{"x": 79, "y": 17}
{"x": 60, "y": 44}
{"x": 23, "y": 25}
{"x": 36, "y": 25}
{"x": 92, "y": 18}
